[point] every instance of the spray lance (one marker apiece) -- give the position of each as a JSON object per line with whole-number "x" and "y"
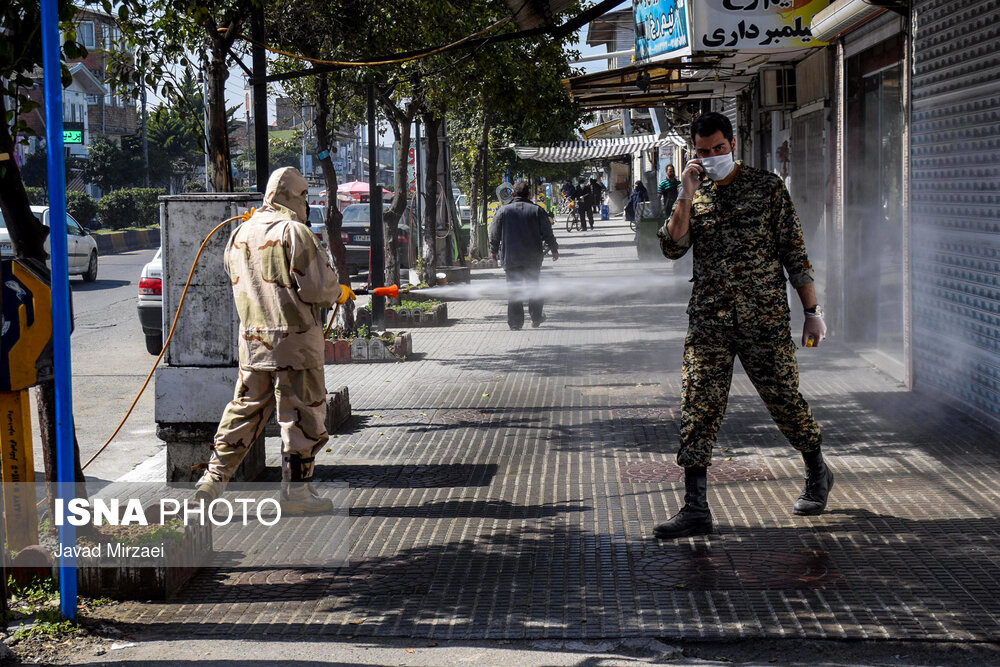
{"x": 391, "y": 292}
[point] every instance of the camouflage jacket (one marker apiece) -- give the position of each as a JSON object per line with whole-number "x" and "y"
{"x": 281, "y": 279}
{"x": 745, "y": 236}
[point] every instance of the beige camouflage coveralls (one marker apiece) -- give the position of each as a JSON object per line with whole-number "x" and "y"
{"x": 281, "y": 280}
{"x": 745, "y": 236}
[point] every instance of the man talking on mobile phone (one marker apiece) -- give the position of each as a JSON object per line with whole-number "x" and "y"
{"x": 742, "y": 228}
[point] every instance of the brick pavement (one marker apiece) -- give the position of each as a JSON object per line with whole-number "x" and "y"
{"x": 505, "y": 484}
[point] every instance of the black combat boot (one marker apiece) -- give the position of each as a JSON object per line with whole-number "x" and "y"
{"x": 694, "y": 518}
{"x": 819, "y": 481}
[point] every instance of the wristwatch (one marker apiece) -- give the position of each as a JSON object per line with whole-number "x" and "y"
{"x": 815, "y": 311}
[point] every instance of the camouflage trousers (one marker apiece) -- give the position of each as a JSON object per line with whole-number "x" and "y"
{"x": 300, "y": 399}
{"x": 707, "y": 373}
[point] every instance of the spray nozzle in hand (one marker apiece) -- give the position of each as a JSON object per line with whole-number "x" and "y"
{"x": 391, "y": 292}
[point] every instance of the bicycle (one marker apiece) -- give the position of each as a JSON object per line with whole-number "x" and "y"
{"x": 641, "y": 212}
{"x": 564, "y": 206}
{"x": 573, "y": 219}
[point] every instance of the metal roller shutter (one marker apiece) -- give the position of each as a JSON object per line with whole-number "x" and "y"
{"x": 955, "y": 202}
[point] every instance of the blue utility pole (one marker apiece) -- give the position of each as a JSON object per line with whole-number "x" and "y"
{"x": 60, "y": 296}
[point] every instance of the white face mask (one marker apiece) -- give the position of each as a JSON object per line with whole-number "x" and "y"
{"x": 718, "y": 167}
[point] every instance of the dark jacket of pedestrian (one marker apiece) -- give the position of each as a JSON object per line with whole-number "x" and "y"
{"x": 639, "y": 195}
{"x": 520, "y": 233}
{"x": 597, "y": 190}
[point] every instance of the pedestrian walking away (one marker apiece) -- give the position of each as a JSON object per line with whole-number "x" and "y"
{"x": 520, "y": 234}
{"x": 585, "y": 201}
{"x": 282, "y": 279}
{"x": 742, "y": 228}
{"x": 667, "y": 189}
{"x": 596, "y": 199}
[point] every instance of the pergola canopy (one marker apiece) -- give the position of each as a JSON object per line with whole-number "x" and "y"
{"x": 578, "y": 151}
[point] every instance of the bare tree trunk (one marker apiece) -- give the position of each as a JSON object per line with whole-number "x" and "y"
{"x": 27, "y": 234}
{"x": 333, "y": 219}
{"x": 429, "y": 250}
{"x": 218, "y": 133}
{"x": 474, "y": 251}
{"x": 46, "y": 398}
{"x": 401, "y": 122}
{"x": 484, "y": 147}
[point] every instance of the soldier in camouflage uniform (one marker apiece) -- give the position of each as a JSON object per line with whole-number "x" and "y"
{"x": 745, "y": 235}
{"x": 282, "y": 279}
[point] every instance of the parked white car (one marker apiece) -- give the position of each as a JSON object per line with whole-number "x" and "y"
{"x": 464, "y": 210}
{"x": 317, "y": 223}
{"x": 151, "y": 302}
{"x": 80, "y": 245}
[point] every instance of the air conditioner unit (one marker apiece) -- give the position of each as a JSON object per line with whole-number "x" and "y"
{"x": 778, "y": 88}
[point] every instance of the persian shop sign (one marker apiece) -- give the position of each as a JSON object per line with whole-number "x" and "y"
{"x": 754, "y": 25}
{"x": 661, "y": 29}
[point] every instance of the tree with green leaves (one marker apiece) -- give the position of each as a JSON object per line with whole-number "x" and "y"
{"x": 505, "y": 111}
{"x": 329, "y": 31}
{"x": 197, "y": 35}
{"x": 109, "y": 167}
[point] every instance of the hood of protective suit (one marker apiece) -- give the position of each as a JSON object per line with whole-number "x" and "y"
{"x": 287, "y": 189}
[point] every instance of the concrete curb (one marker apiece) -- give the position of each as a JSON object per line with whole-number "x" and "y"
{"x": 116, "y": 242}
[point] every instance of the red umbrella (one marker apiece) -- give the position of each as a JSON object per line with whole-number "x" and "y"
{"x": 359, "y": 187}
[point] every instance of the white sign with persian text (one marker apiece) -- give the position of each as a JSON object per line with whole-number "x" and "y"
{"x": 753, "y": 25}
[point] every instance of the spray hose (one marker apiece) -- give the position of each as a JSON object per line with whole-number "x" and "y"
{"x": 244, "y": 217}
{"x": 392, "y": 291}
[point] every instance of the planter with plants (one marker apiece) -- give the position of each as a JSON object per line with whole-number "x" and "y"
{"x": 142, "y": 562}
{"x": 363, "y": 345}
{"x": 124, "y": 562}
{"x": 410, "y": 312}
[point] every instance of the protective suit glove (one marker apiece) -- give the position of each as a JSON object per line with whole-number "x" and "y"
{"x": 345, "y": 294}
{"x": 813, "y": 330}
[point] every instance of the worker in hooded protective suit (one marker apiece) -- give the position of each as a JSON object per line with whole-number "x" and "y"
{"x": 282, "y": 279}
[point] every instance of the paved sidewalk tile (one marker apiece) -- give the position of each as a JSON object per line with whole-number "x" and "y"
{"x": 504, "y": 484}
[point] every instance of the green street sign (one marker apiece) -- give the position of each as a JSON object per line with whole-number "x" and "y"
{"x": 72, "y": 136}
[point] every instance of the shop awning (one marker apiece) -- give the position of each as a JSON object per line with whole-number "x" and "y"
{"x": 578, "y": 151}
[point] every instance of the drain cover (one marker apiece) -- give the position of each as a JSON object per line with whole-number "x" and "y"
{"x": 743, "y": 469}
{"x": 710, "y": 569}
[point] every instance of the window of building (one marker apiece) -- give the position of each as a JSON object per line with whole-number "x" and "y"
{"x": 112, "y": 35}
{"x": 85, "y": 34}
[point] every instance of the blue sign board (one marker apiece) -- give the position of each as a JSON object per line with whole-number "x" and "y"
{"x": 661, "y": 29}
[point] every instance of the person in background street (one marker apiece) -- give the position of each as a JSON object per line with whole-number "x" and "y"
{"x": 667, "y": 190}
{"x": 745, "y": 235}
{"x": 282, "y": 279}
{"x": 585, "y": 201}
{"x": 520, "y": 234}
{"x": 566, "y": 189}
{"x": 596, "y": 199}
{"x": 632, "y": 206}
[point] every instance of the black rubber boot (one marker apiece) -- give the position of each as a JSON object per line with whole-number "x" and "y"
{"x": 694, "y": 518}
{"x": 819, "y": 481}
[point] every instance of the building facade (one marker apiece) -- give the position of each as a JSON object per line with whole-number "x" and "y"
{"x": 887, "y": 139}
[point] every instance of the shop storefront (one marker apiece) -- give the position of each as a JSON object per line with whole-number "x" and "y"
{"x": 873, "y": 198}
